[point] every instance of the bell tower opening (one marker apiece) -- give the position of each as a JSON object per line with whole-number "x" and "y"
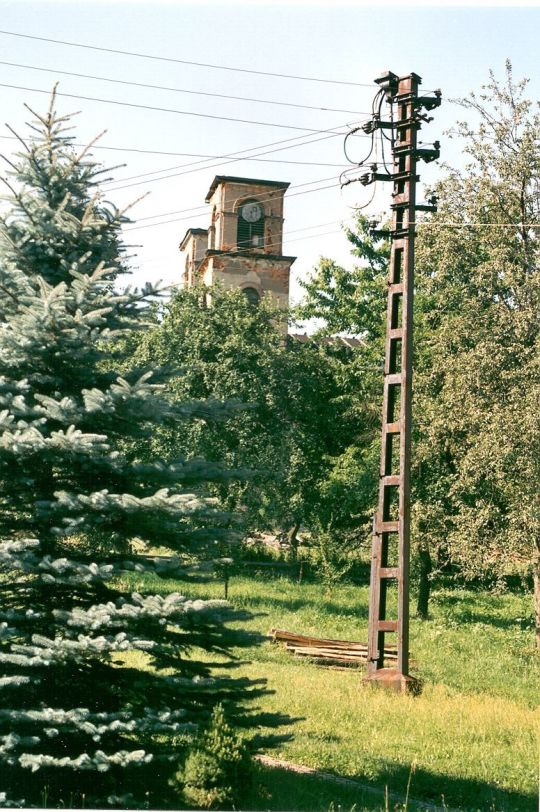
{"x": 252, "y": 295}
{"x": 250, "y": 231}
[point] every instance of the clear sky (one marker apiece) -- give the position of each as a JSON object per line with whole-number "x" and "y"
{"x": 450, "y": 47}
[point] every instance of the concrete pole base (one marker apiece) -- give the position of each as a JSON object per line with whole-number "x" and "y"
{"x": 393, "y": 680}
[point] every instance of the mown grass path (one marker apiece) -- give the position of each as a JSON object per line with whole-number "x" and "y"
{"x": 470, "y": 738}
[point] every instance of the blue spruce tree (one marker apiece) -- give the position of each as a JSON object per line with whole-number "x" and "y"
{"x": 79, "y": 723}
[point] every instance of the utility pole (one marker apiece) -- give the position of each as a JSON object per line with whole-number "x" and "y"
{"x": 389, "y": 585}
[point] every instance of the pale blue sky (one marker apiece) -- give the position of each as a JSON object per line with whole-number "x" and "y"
{"x": 450, "y": 47}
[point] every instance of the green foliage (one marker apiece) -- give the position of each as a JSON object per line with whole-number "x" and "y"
{"x": 217, "y": 772}
{"x": 350, "y": 301}
{"x": 301, "y": 412}
{"x": 75, "y": 717}
{"x": 476, "y": 446}
{"x": 477, "y": 384}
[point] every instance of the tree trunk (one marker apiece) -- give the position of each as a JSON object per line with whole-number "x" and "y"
{"x": 292, "y": 541}
{"x": 536, "y": 583}
{"x": 424, "y": 582}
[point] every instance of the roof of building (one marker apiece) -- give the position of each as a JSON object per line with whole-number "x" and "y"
{"x": 277, "y": 184}
{"x": 189, "y": 232}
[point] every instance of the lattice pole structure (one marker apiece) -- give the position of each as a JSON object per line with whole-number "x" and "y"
{"x": 391, "y": 524}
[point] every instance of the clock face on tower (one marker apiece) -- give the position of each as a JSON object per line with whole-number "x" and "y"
{"x": 251, "y": 212}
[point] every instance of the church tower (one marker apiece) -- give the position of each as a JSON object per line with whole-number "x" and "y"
{"x": 243, "y": 246}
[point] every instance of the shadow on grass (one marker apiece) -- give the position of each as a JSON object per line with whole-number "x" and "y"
{"x": 464, "y": 610}
{"x": 279, "y": 789}
{"x": 525, "y": 624}
{"x": 297, "y": 604}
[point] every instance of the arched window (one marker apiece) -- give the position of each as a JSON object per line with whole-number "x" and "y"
{"x": 250, "y": 225}
{"x": 252, "y": 295}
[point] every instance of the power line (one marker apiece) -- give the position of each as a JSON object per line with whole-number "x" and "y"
{"x": 270, "y": 245}
{"x": 261, "y": 197}
{"x": 165, "y": 109}
{"x": 210, "y": 166}
{"x": 231, "y": 158}
{"x": 435, "y": 223}
{"x": 239, "y": 251}
{"x": 192, "y": 155}
{"x": 247, "y": 158}
{"x": 183, "y": 90}
{"x": 184, "y": 61}
{"x": 285, "y": 235}
{"x": 189, "y": 217}
{"x": 304, "y": 141}
{"x": 204, "y": 207}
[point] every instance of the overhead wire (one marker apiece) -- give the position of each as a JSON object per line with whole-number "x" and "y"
{"x": 260, "y": 197}
{"x": 451, "y": 224}
{"x": 328, "y": 233}
{"x": 376, "y": 108}
{"x": 277, "y": 244}
{"x": 179, "y": 154}
{"x": 189, "y": 217}
{"x": 202, "y": 155}
{"x": 198, "y": 168}
{"x": 182, "y": 90}
{"x": 383, "y": 135}
{"x": 232, "y": 158}
{"x": 183, "y": 61}
{"x": 285, "y": 237}
{"x": 165, "y": 109}
{"x": 354, "y": 130}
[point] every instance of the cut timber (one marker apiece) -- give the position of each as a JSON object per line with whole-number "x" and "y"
{"x": 282, "y": 636}
{"x": 330, "y": 651}
{"x": 327, "y": 651}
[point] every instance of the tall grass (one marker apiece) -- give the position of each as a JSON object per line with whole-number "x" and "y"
{"x": 471, "y": 735}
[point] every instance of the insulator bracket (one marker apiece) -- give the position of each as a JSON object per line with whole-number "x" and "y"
{"x": 426, "y": 155}
{"x": 376, "y": 124}
{"x": 389, "y": 83}
{"x": 380, "y": 233}
{"x": 428, "y": 102}
{"x": 425, "y": 207}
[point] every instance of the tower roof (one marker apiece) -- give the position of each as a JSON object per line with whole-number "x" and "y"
{"x": 277, "y": 184}
{"x": 192, "y": 231}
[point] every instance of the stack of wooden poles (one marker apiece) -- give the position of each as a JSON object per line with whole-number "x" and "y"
{"x": 324, "y": 651}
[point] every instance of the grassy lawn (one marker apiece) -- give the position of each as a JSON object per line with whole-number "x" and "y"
{"x": 470, "y": 738}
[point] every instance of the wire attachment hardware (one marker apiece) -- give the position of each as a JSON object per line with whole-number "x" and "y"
{"x": 389, "y": 83}
{"x": 428, "y": 102}
{"x": 378, "y": 233}
{"x": 428, "y": 155}
{"x": 430, "y": 206}
{"x": 376, "y": 124}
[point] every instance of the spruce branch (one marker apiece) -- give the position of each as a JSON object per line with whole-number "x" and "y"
{"x": 16, "y": 134}
{"x": 18, "y": 197}
{"x": 78, "y": 158}
{"x": 131, "y": 205}
{"x": 4, "y": 158}
{"x": 9, "y": 293}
